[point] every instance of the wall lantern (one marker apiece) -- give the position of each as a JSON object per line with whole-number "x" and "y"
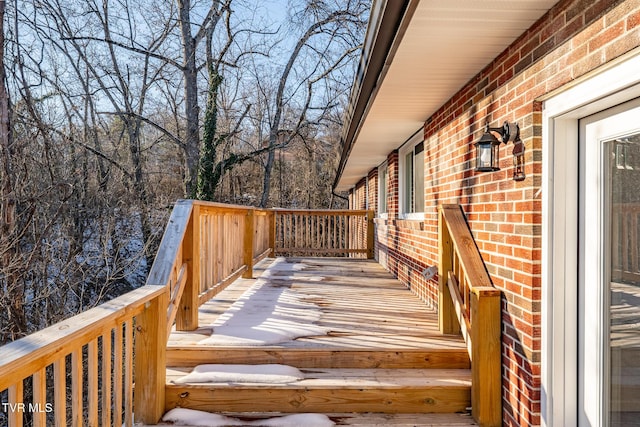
{"x": 488, "y": 149}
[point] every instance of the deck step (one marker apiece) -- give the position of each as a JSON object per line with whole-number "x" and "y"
{"x": 324, "y": 389}
{"x": 438, "y": 358}
{"x": 369, "y": 419}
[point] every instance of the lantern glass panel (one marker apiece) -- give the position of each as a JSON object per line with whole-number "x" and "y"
{"x": 487, "y": 156}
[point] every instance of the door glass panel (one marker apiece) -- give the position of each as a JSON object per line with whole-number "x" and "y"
{"x": 624, "y": 334}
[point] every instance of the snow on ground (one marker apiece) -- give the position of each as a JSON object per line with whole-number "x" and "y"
{"x": 214, "y": 373}
{"x": 297, "y": 420}
{"x": 268, "y": 313}
{"x": 190, "y": 417}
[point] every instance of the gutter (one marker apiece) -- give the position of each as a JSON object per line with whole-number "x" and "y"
{"x": 387, "y": 23}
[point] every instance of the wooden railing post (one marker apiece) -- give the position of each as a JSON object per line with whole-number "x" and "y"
{"x": 370, "y": 235}
{"x": 187, "y": 317}
{"x": 272, "y": 233}
{"x": 447, "y": 318}
{"x": 249, "y": 232}
{"x": 486, "y": 375}
{"x": 150, "y": 360}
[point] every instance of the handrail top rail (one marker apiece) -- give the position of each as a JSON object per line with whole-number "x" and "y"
{"x": 209, "y": 204}
{"x": 464, "y": 244}
{"x": 231, "y": 207}
{"x": 20, "y": 358}
{"x": 323, "y": 211}
{"x": 221, "y": 206}
{"x": 171, "y": 241}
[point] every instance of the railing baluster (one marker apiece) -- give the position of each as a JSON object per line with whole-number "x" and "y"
{"x": 216, "y": 255}
{"x": 128, "y": 373}
{"x": 314, "y": 232}
{"x": 77, "y": 395}
{"x": 615, "y": 240}
{"x": 307, "y": 231}
{"x": 633, "y": 242}
{"x": 117, "y": 375}
{"x": 60, "y": 392}
{"x": 296, "y": 226}
{"x": 625, "y": 242}
{"x": 106, "y": 378}
{"x": 16, "y": 395}
{"x": 334, "y": 227}
{"x": 92, "y": 382}
{"x": 39, "y": 383}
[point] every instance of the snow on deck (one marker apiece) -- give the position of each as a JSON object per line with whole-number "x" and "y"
{"x": 318, "y": 303}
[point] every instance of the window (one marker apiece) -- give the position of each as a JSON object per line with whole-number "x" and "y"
{"x": 382, "y": 189}
{"x": 412, "y": 178}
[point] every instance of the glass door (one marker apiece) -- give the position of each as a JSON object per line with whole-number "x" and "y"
{"x": 609, "y": 276}
{"x": 624, "y": 294}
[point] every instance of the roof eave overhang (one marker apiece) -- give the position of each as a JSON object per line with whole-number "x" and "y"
{"x": 387, "y": 21}
{"x": 417, "y": 55}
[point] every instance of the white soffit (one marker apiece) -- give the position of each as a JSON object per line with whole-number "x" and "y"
{"x": 446, "y": 43}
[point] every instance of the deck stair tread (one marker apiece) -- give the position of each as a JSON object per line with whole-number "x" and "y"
{"x": 323, "y": 390}
{"x": 349, "y": 378}
{"x": 314, "y": 357}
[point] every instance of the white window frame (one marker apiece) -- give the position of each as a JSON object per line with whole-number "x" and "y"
{"x": 383, "y": 190}
{"x": 409, "y": 146}
{"x": 617, "y": 83}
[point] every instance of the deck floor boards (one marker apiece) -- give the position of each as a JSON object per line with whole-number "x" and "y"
{"x": 363, "y": 305}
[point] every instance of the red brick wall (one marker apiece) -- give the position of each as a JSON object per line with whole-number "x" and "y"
{"x": 573, "y": 39}
{"x": 358, "y": 195}
{"x": 372, "y": 197}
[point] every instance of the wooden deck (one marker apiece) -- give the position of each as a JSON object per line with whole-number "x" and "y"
{"x": 382, "y": 342}
{"x": 367, "y": 352}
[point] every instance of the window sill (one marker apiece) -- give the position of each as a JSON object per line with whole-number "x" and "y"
{"x": 409, "y": 224}
{"x": 417, "y": 216}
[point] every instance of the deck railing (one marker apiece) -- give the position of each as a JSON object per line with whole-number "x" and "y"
{"x": 205, "y": 247}
{"x": 98, "y": 345}
{"x": 625, "y": 249}
{"x": 324, "y": 232}
{"x": 470, "y": 304}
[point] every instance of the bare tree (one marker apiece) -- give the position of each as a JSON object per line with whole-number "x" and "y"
{"x": 101, "y": 129}
{"x": 336, "y": 27}
{"x": 285, "y": 104}
{"x": 10, "y": 283}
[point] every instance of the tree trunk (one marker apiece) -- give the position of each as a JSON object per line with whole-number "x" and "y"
{"x": 207, "y": 179}
{"x": 12, "y": 287}
{"x": 192, "y": 110}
